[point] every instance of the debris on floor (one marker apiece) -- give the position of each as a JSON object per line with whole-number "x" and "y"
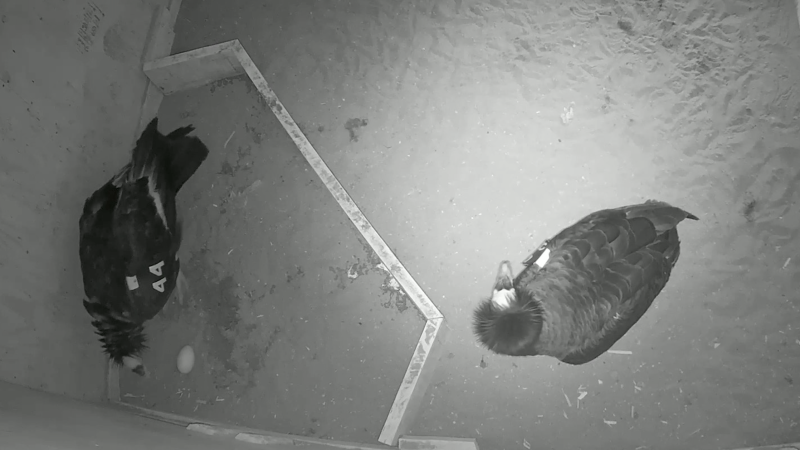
{"x": 620, "y": 352}
{"x": 568, "y": 113}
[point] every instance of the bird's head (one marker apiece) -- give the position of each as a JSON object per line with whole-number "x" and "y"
{"x": 135, "y": 364}
{"x": 505, "y": 323}
{"x": 122, "y": 339}
{"x": 504, "y": 294}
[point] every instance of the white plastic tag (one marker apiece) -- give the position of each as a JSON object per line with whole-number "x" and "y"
{"x": 543, "y": 258}
{"x": 133, "y": 283}
{"x": 159, "y": 285}
{"x": 155, "y": 269}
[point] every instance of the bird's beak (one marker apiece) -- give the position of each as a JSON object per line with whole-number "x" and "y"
{"x": 505, "y": 277}
{"x": 504, "y": 294}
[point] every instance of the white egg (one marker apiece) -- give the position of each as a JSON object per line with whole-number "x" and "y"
{"x": 185, "y": 359}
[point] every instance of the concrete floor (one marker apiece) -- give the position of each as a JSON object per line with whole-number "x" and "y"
{"x": 71, "y": 90}
{"x": 295, "y": 326}
{"x": 465, "y": 161}
{"x": 33, "y": 419}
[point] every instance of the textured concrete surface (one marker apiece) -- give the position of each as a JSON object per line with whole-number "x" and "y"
{"x": 468, "y": 156}
{"x": 296, "y": 325}
{"x": 34, "y": 419}
{"x": 447, "y": 122}
{"x": 71, "y": 88}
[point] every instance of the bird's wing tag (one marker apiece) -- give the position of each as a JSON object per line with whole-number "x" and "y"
{"x": 155, "y": 269}
{"x": 159, "y": 285}
{"x": 158, "y": 275}
{"x": 133, "y": 283}
{"x": 543, "y": 258}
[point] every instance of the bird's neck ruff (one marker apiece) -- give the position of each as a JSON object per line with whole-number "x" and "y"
{"x": 508, "y": 324}
{"x": 120, "y": 339}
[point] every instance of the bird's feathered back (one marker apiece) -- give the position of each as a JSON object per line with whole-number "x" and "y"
{"x": 600, "y": 276}
{"x": 145, "y": 218}
{"x": 127, "y": 224}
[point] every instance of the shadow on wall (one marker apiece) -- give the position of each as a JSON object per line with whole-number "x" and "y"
{"x": 71, "y": 92}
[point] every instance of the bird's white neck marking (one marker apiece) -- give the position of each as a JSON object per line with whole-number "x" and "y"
{"x": 543, "y": 258}
{"x": 503, "y": 298}
{"x": 151, "y": 186}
